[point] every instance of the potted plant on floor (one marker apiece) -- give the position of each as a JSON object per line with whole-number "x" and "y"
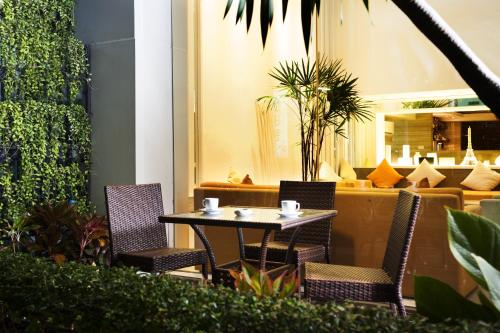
{"x": 325, "y": 99}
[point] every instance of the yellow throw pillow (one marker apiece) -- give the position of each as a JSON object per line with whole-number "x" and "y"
{"x": 384, "y": 175}
{"x": 234, "y": 177}
{"x": 326, "y": 173}
{"x": 346, "y": 171}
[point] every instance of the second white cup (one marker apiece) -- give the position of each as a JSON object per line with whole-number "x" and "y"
{"x": 210, "y": 203}
{"x": 290, "y": 206}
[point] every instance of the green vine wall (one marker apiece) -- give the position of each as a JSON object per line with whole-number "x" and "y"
{"x": 44, "y": 126}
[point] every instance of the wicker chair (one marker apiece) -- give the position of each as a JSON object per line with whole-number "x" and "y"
{"x": 137, "y": 238}
{"x": 313, "y": 240}
{"x": 326, "y": 282}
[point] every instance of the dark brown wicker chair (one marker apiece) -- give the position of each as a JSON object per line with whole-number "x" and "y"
{"x": 313, "y": 240}
{"x": 327, "y": 282}
{"x": 137, "y": 238}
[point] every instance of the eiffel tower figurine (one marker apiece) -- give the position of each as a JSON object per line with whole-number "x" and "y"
{"x": 469, "y": 158}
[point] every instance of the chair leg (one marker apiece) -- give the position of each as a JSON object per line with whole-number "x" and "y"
{"x": 327, "y": 256}
{"x": 401, "y": 307}
{"x": 204, "y": 271}
{"x": 394, "y": 308}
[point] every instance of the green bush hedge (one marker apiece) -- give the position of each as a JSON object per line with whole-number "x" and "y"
{"x": 39, "y": 296}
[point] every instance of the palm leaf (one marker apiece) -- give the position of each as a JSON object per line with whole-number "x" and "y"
{"x": 306, "y": 11}
{"x": 249, "y": 13}
{"x": 367, "y": 4}
{"x": 267, "y": 13}
{"x": 266, "y": 19}
{"x": 284, "y": 8}
{"x": 228, "y": 7}
{"x": 239, "y": 12}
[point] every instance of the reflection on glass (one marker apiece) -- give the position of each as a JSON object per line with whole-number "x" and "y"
{"x": 446, "y": 132}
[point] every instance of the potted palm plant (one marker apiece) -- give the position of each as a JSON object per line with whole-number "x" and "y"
{"x": 325, "y": 99}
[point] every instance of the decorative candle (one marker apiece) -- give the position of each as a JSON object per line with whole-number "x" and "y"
{"x": 469, "y": 138}
{"x": 406, "y": 152}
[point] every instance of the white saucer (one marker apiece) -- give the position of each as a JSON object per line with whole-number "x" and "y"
{"x": 293, "y": 214}
{"x": 211, "y": 211}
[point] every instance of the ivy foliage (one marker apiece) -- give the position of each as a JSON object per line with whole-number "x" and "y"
{"x": 44, "y": 126}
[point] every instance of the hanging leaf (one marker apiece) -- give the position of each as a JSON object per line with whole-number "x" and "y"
{"x": 241, "y": 8}
{"x": 266, "y": 19}
{"x": 228, "y": 7}
{"x": 307, "y": 8}
{"x": 367, "y": 4}
{"x": 249, "y": 13}
{"x": 284, "y": 8}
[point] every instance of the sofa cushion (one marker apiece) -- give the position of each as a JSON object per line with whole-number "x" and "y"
{"x": 482, "y": 178}
{"x": 425, "y": 170}
{"x": 470, "y": 195}
{"x": 384, "y": 175}
{"x": 230, "y": 185}
{"x": 326, "y": 173}
{"x": 346, "y": 171}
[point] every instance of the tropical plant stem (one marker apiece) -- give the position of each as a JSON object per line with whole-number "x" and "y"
{"x": 314, "y": 176}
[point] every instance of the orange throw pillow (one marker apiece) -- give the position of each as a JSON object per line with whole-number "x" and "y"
{"x": 384, "y": 175}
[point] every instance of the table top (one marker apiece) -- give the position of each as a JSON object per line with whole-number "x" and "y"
{"x": 262, "y": 218}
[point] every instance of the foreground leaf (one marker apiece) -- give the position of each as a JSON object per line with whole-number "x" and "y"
{"x": 439, "y": 301}
{"x": 492, "y": 278}
{"x": 470, "y": 234}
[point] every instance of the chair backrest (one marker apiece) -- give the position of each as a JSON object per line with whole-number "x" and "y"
{"x": 312, "y": 195}
{"x": 398, "y": 245}
{"x": 133, "y": 212}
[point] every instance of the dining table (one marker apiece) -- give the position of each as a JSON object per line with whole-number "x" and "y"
{"x": 268, "y": 219}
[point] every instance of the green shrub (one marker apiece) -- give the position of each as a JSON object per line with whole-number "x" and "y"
{"x": 59, "y": 232}
{"x": 39, "y": 296}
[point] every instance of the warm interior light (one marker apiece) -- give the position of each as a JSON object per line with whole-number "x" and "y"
{"x": 497, "y": 161}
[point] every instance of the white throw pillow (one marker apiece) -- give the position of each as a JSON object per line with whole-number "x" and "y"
{"x": 425, "y": 170}
{"x": 326, "y": 173}
{"x": 346, "y": 171}
{"x": 482, "y": 178}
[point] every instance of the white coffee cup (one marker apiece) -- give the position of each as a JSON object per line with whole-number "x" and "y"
{"x": 290, "y": 206}
{"x": 210, "y": 203}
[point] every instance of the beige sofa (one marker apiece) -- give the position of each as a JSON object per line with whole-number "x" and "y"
{"x": 360, "y": 231}
{"x": 454, "y": 177}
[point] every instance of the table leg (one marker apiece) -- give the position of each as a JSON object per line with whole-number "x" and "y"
{"x": 291, "y": 246}
{"x": 263, "y": 249}
{"x": 241, "y": 243}
{"x": 210, "y": 252}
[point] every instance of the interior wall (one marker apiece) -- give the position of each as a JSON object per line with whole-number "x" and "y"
{"x": 389, "y": 55}
{"x": 233, "y": 74}
{"x": 382, "y": 48}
